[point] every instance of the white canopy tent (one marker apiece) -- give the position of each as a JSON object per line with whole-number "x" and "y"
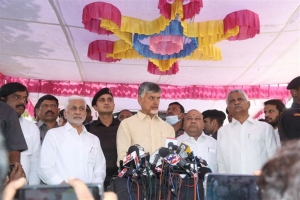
{"x": 45, "y": 40}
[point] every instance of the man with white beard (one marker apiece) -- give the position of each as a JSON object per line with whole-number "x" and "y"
{"x": 71, "y": 151}
{"x": 145, "y": 128}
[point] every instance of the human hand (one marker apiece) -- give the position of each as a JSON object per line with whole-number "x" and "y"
{"x": 12, "y": 187}
{"x": 16, "y": 172}
{"x": 83, "y": 193}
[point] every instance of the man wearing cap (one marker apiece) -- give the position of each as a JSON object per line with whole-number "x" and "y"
{"x": 105, "y": 128}
{"x": 289, "y": 122}
{"x": 175, "y": 117}
{"x": 213, "y": 120}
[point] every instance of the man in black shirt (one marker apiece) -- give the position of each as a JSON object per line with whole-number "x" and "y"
{"x": 289, "y": 122}
{"x": 12, "y": 132}
{"x": 105, "y": 128}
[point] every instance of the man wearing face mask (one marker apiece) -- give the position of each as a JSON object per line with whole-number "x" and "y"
{"x": 175, "y": 116}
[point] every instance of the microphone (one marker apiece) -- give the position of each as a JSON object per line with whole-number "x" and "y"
{"x": 132, "y": 158}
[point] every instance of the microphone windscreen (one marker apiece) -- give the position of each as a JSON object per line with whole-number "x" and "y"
{"x": 163, "y": 152}
{"x": 170, "y": 144}
{"x": 175, "y": 147}
{"x": 132, "y": 149}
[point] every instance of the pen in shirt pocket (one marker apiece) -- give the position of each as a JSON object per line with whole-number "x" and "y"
{"x": 91, "y": 149}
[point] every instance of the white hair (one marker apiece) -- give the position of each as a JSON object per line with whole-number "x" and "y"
{"x": 239, "y": 91}
{"x": 74, "y": 97}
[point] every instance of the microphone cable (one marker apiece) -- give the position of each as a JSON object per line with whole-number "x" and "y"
{"x": 160, "y": 180}
{"x": 197, "y": 179}
{"x": 128, "y": 190}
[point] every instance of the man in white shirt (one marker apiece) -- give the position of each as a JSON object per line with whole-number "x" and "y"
{"x": 245, "y": 144}
{"x": 16, "y": 95}
{"x": 202, "y": 145}
{"x": 273, "y": 108}
{"x": 71, "y": 151}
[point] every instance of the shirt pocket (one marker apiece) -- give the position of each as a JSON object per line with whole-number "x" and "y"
{"x": 92, "y": 156}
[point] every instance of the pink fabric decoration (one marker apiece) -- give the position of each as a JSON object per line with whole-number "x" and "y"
{"x": 67, "y": 88}
{"x": 190, "y": 9}
{"x": 152, "y": 69}
{"x": 98, "y": 50}
{"x": 247, "y": 21}
{"x": 93, "y": 25}
{"x": 99, "y": 10}
{"x": 30, "y": 108}
{"x": 168, "y": 44}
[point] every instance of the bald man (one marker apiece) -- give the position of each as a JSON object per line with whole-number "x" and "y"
{"x": 202, "y": 145}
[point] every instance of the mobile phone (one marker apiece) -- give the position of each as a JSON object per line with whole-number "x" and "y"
{"x": 56, "y": 192}
{"x": 231, "y": 186}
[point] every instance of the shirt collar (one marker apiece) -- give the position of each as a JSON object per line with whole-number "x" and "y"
{"x": 185, "y": 136}
{"x": 295, "y": 105}
{"x": 250, "y": 119}
{"x": 69, "y": 127}
{"x": 142, "y": 116}
{"x": 21, "y": 119}
{"x": 114, "y": 121}
{"x": 41, "y": 123}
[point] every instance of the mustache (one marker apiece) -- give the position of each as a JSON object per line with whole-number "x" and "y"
{"x": 49, "y": 111}
{"x": 21, "y": 105}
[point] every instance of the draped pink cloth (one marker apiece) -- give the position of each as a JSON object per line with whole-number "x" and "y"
{"x": 247, "y": 21}
{"x": 98, "y": 10}
{"x": 98, "y": 50}
{"x": 166, "y": 44}
{"x": 67, "y": 88}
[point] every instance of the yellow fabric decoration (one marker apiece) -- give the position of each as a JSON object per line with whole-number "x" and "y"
{"x": 163, "y": 65}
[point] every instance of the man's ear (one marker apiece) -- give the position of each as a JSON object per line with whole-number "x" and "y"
{"x": 181, "y": 115}
{"x": 293, "y": 92}
{"x": 140, "y": 99}
{"x": 95, "y": 107}
{"x": 249, "y": 104}
{"x": 2, "y": 99}
{"x": 214, "y": 122}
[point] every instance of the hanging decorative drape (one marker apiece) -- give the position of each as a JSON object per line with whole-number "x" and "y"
{"x": 168, "y": 38}
{"x": 67, "y": 88}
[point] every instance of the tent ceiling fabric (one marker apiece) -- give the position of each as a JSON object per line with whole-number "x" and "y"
{"x": 45, "y": 39}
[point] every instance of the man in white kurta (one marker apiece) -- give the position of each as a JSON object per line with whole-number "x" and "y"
{"x": 245, "y": 144}
{"x": 30, "y": 157}
{"x": 71, "y": 151}
{"x": 202, "y": 145}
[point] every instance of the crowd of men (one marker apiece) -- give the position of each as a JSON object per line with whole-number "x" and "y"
{"x": 48, "y": 152}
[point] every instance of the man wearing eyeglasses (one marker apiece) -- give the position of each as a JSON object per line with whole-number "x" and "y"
{"x": 16, "y": 96}
{"x": 48, "y": 112}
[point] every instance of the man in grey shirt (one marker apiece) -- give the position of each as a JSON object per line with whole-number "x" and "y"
{"x": 47, "y": 112}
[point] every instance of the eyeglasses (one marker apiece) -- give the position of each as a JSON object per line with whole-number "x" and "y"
{"x": 19, "y": 97}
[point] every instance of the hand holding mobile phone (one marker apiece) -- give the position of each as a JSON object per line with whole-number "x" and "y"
{"x": 16, "y": 172}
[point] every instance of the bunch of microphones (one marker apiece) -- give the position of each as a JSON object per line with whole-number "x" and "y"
{"x": 177, "y": 159}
